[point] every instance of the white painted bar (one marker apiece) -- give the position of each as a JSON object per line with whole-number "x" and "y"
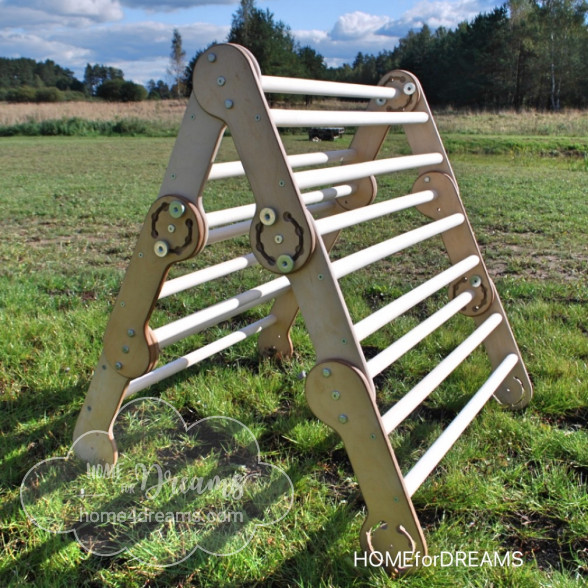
{"x": 246, "y": 211}
{"x": 186, "y": 361}
{"x": 355, "y": 171}
{"x": 429, "y": 461}
{"x": 342, "y": 118}
{"x": 359, "y": 259}
{"x": 360, "y": 215}
{"x": 401, "y": 346}
{"x": 234, "y": 169}
{"x": 212, "y": 315}
{"x": 394, "y": 309}
{"x": 430, "y": 382}
{"x": 280, "y": 85}
{"x": 207, "y": 274}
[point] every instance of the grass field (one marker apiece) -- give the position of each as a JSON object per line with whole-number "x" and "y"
{"x": 516, "y": 481}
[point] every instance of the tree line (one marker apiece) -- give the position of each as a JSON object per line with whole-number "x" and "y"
{"x": 523, "y": 54}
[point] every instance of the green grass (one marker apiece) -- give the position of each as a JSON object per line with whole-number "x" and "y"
{"x": 71, "y": 211}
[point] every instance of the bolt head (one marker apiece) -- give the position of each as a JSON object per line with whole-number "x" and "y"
{"x": 161, "y": 248}
{"x": 221, "y": 81}
{"x": 267, "y": 216}
{"x": 476, "y": 281}
{"x": 176, "y": 209}
{"x": 409, "y": 89}
{"x": 279, "y": 239}
{"x": 131, "y": 332}
{"x": 118, "y": 365}
{"x": 335, "y": 394}
{"x": 125, "y": 348}
{"x": 228, "y": 104}
{"x": 171, "y": 228}
{"x": 212, "y": 57}
{"x": 326, "y": 372}
{"x": 343, "y": 418}
{"x": 285, "y": 264}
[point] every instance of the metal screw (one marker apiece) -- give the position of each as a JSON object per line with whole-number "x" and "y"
{"x": 285, "y": 263}
{"x": 267, "y": 216}
{"x": 476, "y": 281}
{"x": 427, "y": 179}
{"x": 326, "y": 372}
{"x": 335, "y": 394}
{"x": 344, "y": 341}
{"x": 118, "y": 365}
{"x": 343, "y": 418}
{"x": 161, "y": 248}
{"x": 228, "y": 104}
{"x": 221, "y": 81}
{"x": 212, "y": 57}
{"x": 321, "y": 277}
{"x": 176, "y": 209}
{"x": 171, "y": 228}
{"x": 409, "y": 89}
{"x": 257, "y": 117}
{"x": 131, "y": 332}
{"x": 282, "y": 183}
{"x": 381, "y": 101}
{"x": 279, "y": 239}
{"x": 373, "y": 437}
{"x": 125, "y": 348}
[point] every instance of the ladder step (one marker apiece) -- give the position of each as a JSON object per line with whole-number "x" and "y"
{"x": 234, "y": 169}
{"x": 427, "y": 463}
{"x": 430, "y": 382}
{"x": 176, "y": 366}
{"x": 326, "y": 118}
{"x": 281, "y": 85}
{"x": 364, "y": 257}
{"x": 356, "y": 171}
{"x": 394, "y": 309}
{"x": 401, "y": 346}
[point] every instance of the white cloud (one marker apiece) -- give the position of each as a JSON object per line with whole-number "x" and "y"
{"x": 65, "y": 12}
{"x": 357, "y": 25}
{"x": 172, "y": 5}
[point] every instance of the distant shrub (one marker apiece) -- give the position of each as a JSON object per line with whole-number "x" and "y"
{"x": 22, "y": 94}
{"x": 49, "y": 95}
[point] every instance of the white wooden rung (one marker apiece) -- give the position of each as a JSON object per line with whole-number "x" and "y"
{"x": 212, "y": 315}
{"x": 233, "y": 169}
{"x": 427, "y": 463}
{"x": 330, "y": 118}
{"x": 176, "y": 366}
{"x": 281, "y": 85}
{"x": 355, "y": 171}
{"x": 353, "y": 217}
{"x": 430, "y": 382}
{"x": 394, "y": 309}
{"x": 359, "y": 259}
{"x": 207, "y": 274}
{"x": 246, "y": 211}
{"x": 401, "y": 346}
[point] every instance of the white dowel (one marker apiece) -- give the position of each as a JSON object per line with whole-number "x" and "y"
{"x": 246, "y": 211}
{"x": 360, "y": 215}
{"x": 401, "y": 346}
{"x": 430, "y": 382}
{"x": 207, "y": 274}
{"x": 355, "y": 261}
{"x": 332, "y": 118}
{"x": 279, "y": 85}
{"x": 429, "y": 461}
{"x": 355, "y": 171}
{"x": 176, "y": 366}
{"x": 233, "y": 169}
{"x": 212, "y": 315}
{"x": 388, "y": 313}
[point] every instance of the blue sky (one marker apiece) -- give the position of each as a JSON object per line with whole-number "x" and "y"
{"x": 135, "y": 35}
